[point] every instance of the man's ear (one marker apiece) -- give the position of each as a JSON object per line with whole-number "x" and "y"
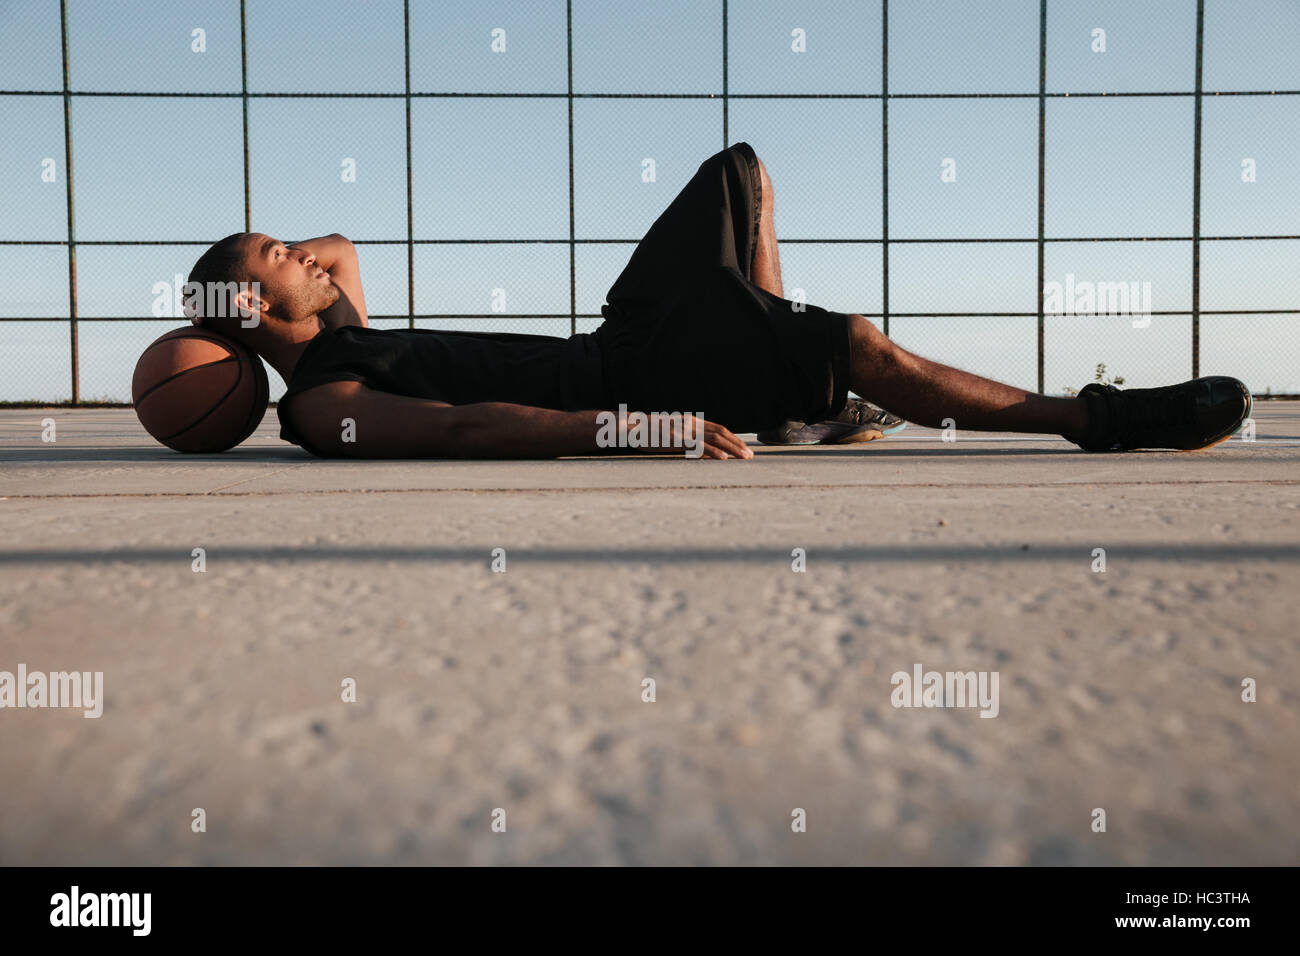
{"x": 249, "y": 305}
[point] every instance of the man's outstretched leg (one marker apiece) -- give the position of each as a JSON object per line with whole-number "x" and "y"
{"x": 1191, "y": 415}
{"x": 926, "y": 392}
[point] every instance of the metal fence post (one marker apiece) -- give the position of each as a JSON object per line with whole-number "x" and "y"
{"x": 243, "y": 95}
{"x": 72, "y": 236}
{"x": 573, "y": 278}
{"x": 410, "y": 221}
{"x": 1042, "y": 183}
{"x": 726, "y": 134}
{"x": 1196, "y": 197}
{"x": 884, "y": 163}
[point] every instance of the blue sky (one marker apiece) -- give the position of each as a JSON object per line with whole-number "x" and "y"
{"x": 155, "y": 168}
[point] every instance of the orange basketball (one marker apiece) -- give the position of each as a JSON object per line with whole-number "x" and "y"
{"x": 198, "y": 391}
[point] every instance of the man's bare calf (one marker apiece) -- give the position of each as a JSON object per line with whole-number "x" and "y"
{"x": 926, "y": 392}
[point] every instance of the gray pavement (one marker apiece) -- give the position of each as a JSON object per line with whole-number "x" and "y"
{"x": 523, "y": 691}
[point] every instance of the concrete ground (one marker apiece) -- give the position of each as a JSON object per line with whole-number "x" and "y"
{"x": 522, "y": 692}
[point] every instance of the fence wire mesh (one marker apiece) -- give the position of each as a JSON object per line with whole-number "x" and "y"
{"x": 1025, "y": 188}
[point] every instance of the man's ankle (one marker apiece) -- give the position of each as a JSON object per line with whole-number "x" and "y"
{"x": 1080, "y": 421}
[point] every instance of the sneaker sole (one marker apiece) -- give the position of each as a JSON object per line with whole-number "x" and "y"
{"x": 1219, "y": 441}
{"x": 867, "y": 434}
{"x": 776, "y": 444}
{"x": 850, "y": 438}
{"x": 854, "y": 438}
{"x": 1250, "y": 407}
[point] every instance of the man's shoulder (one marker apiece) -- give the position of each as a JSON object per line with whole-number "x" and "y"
{"x": 309, "y": 416}
{"x": 310, "y": 400}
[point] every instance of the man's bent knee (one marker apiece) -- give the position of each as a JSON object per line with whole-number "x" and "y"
{"x": 868, "y": 346}
{"x": 863, "y": 331}
{"x": 764, "y": 182}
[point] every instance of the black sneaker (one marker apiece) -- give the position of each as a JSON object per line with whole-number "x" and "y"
{"x": 1190, "y": 416}
{"x": 860, "y": 421}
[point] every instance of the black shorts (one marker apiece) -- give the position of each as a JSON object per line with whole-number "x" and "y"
{"x": 686, "y": 330}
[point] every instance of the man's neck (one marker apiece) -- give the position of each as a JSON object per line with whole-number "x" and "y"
{"x": 283, "y": 353}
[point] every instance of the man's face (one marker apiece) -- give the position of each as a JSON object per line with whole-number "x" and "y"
{"x": 293, "y": 285}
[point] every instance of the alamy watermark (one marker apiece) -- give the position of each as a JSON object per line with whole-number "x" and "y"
{"x": 205, "y": 300}
{"x": 624, "y": 429}
{"x": 946, "y": 689}
{"x": 84, "y": 689}
{"x": 1099, "y": 298}
{"x": 130, "y": 910}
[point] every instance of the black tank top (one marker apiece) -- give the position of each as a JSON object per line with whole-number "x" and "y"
{"x": 459, "y": 368}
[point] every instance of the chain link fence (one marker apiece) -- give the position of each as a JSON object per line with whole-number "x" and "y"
{"x": 1017, "y": 230}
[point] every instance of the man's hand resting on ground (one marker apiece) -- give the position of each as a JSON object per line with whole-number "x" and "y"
{"x": 717, "y": 441}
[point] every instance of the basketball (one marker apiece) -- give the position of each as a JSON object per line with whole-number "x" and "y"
{"x": 197, "y": 391}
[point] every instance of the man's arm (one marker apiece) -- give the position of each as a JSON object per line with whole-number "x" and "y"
{"x": 398, "y": 426}
{"x": 337, "y": 256}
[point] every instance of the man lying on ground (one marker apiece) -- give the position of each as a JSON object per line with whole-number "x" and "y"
{"x": 695, "y": 324}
